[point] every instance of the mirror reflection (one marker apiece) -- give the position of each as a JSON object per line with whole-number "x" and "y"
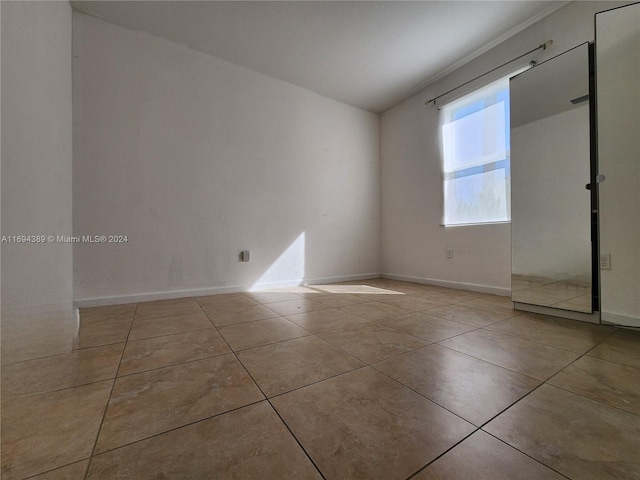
{"x": 550, "y": 166}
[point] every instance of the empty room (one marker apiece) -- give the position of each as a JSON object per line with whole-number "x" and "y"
{"x": 320, "y": 240}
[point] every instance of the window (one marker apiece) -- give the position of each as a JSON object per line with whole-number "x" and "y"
{"x": 475, "y": 140}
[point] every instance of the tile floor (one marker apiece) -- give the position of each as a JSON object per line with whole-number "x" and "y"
{"x": 370, "y": 380}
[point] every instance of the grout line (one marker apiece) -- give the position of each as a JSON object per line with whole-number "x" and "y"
{"x": 106, "y": 407}
{"x": 318, "y": 381}
{"x": 162, "y": 317}
{"x": 172, "y": 365}
{"x": 546, "y": 382}
{"x": 246, "y": 322}
{"x": 527, "y": 455}
{"x": 591, "y": 399}
{"x": 56, "y": 468}
{"x": 442, "y": 454}
{"x": 278, "y": 414}
{"x": 270, "y": 343}
{"x": 160, "y": 433}
{"x": 200, "y": 420}
{"x": 522, "y": 337}
{"x": 481, "y": 428}
{"x": 487, "y": 361}
{"x": 297, "y": 440}
{"x": 167, "y": 335}
{"x": 426, "y": 398}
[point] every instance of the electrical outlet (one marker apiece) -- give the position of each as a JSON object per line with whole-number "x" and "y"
{"x": 449, "y": 252}
{"x": 605, "y": 261}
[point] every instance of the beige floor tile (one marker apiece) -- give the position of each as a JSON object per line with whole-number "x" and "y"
{"x": 185, "y": 407}
{"x": 413, "y": 303}
{"x": 471, "y": 388}
{"x": 372, "y": 342}
{"x": 375, "y": 310}
{"x": 261, "y": 332}
{"x": 468, "y": 315}
{"x": 482, "y": 457}
{"x": 606, "y": 382}
{"x": 272, "y": 296}
{"x": 500, "y": 300}
{"x": 340, "y": 299}
{"x": 46, "y": 431}
{"x": 558, "y": 332}
{"x": 167, "y": 308}
{"x": 74, "y": 471}
{"x": 156, "y": 327}
{"x": 230, "y": 316}
{"x": 91, "y": 319}
{"x": 291, "y": 307}
{"x": 103, "y": 332}
{"x": 148, "y": 403}
{"x": 157, "y": 352}
{"x": 249, "y": 443}
{"x": 522, "y": 356}
{"x": 494, "y": 303}
{"x": 285, "y": 366}
{"x": 381, "y": 296}
{"x": 575, "y": 436}
{"x": 324, "y": 320}
{"x": 62, "y": 371}
{"x": 622, "y": 347}
{"x": 390, "y": 435}
{"x": 212, "y": 303}
{"x": 426, "y": 326}
{"x": 447, "y": 298}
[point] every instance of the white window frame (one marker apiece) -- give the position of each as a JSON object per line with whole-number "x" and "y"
{"x": 489, "y": 168}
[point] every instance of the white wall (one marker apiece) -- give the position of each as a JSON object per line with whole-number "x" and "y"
{"x": 37, "y": 311}
{"x": 413, "y": 242}
{"x": 195, "y": 159}
{"x": 618, "y": 88}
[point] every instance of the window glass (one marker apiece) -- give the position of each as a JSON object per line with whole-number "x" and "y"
{"x": 475, "y": 141}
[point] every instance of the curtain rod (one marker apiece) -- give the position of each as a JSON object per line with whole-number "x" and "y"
{"x": 542, "y": 46}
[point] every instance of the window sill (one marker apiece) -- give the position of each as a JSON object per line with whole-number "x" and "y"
{"x": 507, "y": 222}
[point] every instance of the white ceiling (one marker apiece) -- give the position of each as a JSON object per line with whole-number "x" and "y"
{"x": 368, "y": 54}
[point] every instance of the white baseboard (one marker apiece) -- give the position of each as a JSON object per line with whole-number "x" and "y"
{"x": 313, "y": 281}
{"x": 474, "y": 287}
{"x": 171, "y": 294}
{"x": 616, "y": 319}
{"x": 150, "y": 296}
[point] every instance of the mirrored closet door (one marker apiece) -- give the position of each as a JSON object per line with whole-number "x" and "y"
{"x": 551, "y": 159}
